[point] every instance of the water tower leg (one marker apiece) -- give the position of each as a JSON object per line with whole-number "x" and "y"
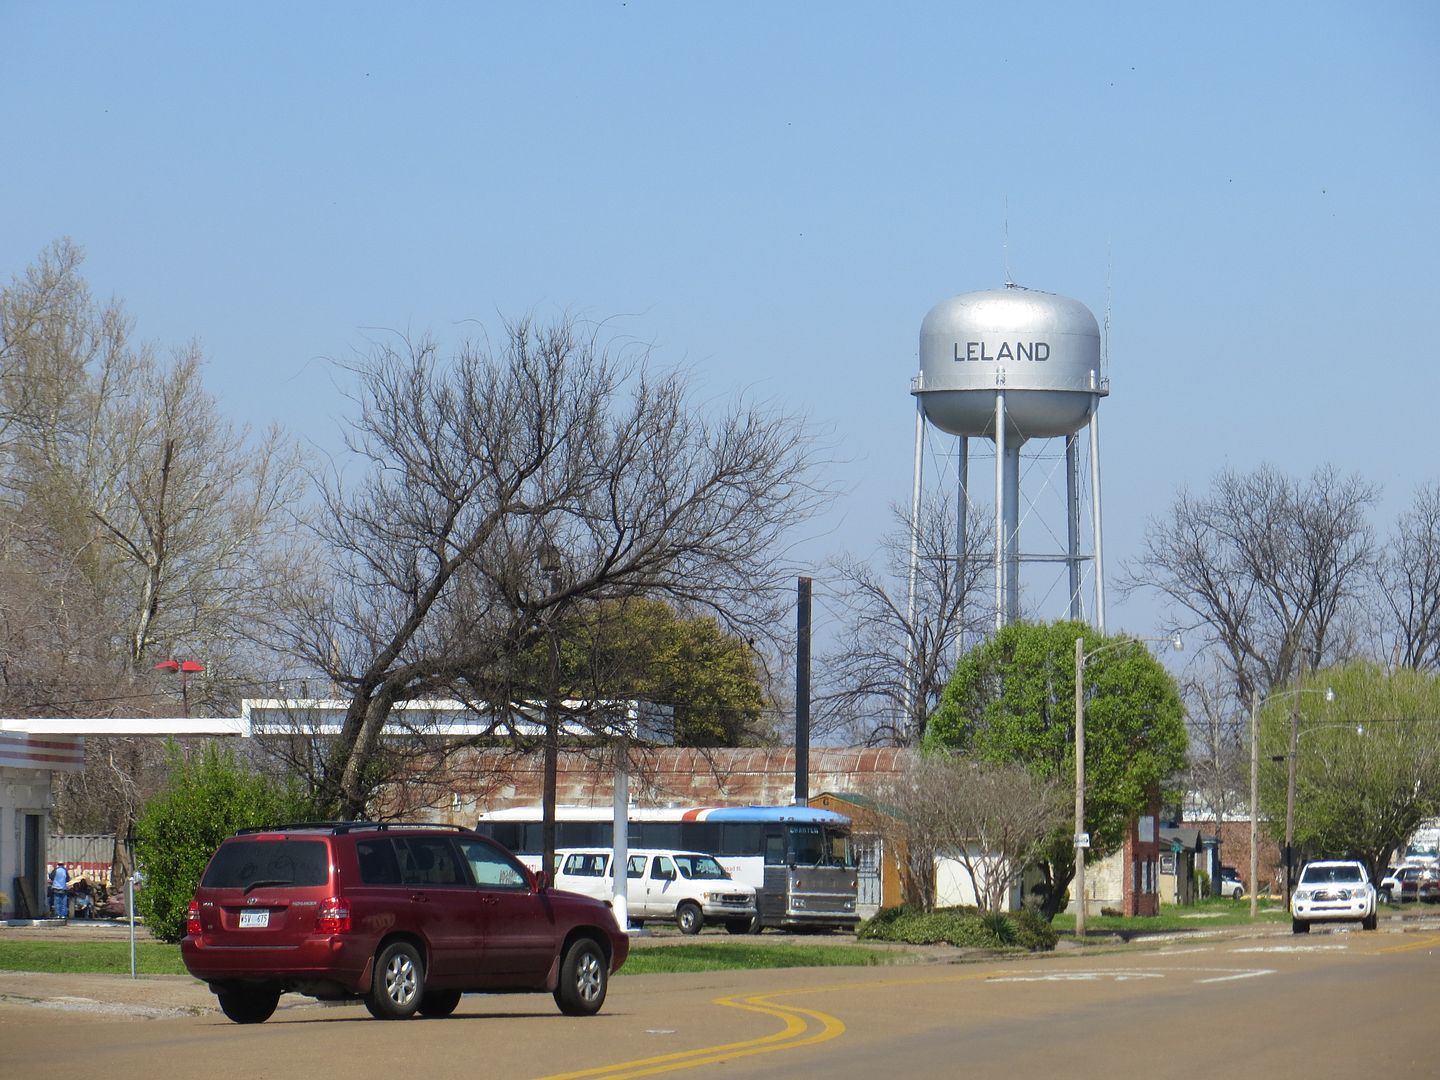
{"x": 1012, "y": 531}
{"x": 1072, "y": 520}
{"x": 962, "y": 523}
{"x": 999, "y": 509}
{"x": 1096, "y": 519}
{"x": 918, "y": 474}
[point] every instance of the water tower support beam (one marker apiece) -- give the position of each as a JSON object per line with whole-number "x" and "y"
{"x": 918, "y": 475}
{"x": 1072, "y": 519}
{"x": 1012, "y": 531}
{"x": 1000, "y": 561}
{"x": 1096, "y": 519}
{"x": 962, "y": 524}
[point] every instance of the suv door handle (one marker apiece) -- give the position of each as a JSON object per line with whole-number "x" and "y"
{"x": 420, "y": 897}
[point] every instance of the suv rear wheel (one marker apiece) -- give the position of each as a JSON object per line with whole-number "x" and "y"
{"x": 399, "y": 983}
{"x": 248, "y": 1005}
{"x": 584, "y": 977}
{"x": 438, "y": 1003}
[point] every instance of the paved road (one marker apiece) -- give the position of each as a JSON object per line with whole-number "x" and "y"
{"x": 1335, "y": 1003}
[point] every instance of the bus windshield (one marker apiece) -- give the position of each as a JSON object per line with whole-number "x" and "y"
{"x": 820, "y": 845}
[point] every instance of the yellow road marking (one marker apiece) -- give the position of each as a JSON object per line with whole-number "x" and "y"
{"x": 796, "y": 1032}
{"x": 1429, "y": 942}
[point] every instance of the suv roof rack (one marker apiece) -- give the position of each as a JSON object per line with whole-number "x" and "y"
{"x": 339, "y": 827}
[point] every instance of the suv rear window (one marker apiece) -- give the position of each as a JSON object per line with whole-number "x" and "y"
{"x": 246, "y": 863}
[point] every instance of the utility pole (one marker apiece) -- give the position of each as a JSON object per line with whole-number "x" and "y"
{"x": 1290, "y": 795}
{"x": 1081, "y": 840}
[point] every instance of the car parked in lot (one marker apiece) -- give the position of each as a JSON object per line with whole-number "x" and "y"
{"x": 1231, "y": 887}
{"x": 1411, "y": 883}
{"x": 1333, "y": 890}
{"x": 406, "y": 917}
{"x": 688, "y": 886}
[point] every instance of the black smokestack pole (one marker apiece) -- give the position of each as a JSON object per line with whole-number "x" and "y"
{"x": 802, "y": 695}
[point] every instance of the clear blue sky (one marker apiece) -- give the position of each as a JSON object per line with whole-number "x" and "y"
{"x": 775, "y": 194}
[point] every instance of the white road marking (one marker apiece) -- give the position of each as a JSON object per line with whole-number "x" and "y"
{"x": 1213, "y": 975}
{"x": 1239, "y": 975}
{"x": 1294, "y": 948}
{"x": 1081, "y": 976}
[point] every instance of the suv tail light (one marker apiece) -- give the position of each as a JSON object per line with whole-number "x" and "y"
{"x": 333, "y": 917}
{"x": 192, "y": 919}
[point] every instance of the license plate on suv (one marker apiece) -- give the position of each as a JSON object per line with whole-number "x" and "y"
{"x": 254, "y": 918}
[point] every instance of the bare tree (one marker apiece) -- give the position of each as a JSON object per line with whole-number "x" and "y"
{"x": 1219, "y": 739}
{"x": 1408, "y": 579}
{"x": 1269, "y": 567}
{"x": 122, "y": 466}
{"x": 503, "y": 489}
{"x": 991, "y": 818}
{"x": 998, "y": 816}
{"x": 885, "y": 677}
{"x": 914, "y": 829}
{"x": 135, "y": 509}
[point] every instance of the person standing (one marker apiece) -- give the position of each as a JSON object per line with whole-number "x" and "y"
{"x": 59, "y": 890}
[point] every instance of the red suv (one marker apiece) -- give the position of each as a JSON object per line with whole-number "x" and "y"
{"x": 406, "y": 917}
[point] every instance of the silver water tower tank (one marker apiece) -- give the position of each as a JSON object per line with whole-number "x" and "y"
{"x": 1027, "y": 364}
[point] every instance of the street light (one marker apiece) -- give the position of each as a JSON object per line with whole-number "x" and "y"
{"x": 1082, "y": 838}
{"x": 186, "y": 668}
{"x": 548, "y": 560}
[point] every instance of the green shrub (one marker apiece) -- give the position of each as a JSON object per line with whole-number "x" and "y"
{"x": 874, "y": 928}
{"x": 208, "y": 798}
{"x": 1033, "y": 931}
{"x": 961, "y": 927}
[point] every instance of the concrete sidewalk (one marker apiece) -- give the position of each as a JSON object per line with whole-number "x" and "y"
{"x": 148, "y": 996}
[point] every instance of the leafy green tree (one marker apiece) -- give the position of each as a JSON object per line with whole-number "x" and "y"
{"x": 642, "y": 648}
{"x": 208, "y": 798}
{"x": 1012, "y": 699}
{"x": 1367, "y": 765}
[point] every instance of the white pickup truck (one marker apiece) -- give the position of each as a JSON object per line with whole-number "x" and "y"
{"x": 1333, "y": 890}
{"x": 688, "y": 886}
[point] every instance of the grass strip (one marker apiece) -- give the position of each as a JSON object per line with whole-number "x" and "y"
{"x": 741, "y": 955}
{"x": 156, "y": 958}
{"x": 91, "y": 957}
{"x": 1191, "y": 917}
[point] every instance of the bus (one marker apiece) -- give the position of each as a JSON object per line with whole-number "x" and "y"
{"x": 800, "y": 860}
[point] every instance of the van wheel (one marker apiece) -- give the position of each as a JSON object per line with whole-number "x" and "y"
{"x": 399, "y": 983}
{"x": 689, "y": 918}
{"x": 252, "y": 1005}
{"x": 438, "y": 1003}
{"x": 584, "y": 976}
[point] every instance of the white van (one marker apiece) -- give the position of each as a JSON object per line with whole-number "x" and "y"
{"x": 688, "y": 886}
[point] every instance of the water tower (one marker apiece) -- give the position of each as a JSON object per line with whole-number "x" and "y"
{"x": 1012, "y": 365}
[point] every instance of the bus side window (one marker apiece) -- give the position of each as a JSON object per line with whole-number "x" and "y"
{"x": 738, "y": 840}
{"x": 775, "y": 849}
